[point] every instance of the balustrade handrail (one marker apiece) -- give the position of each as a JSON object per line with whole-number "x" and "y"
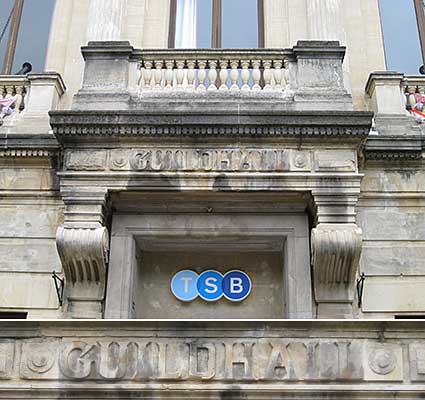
{"x": 143, "y": 55}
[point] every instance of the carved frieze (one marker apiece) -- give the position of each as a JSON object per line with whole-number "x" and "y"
{"x": 336, "y": 161}
{"x": 195, "y": 360}
{"x": 196, "y": 159}
{"x": 417, "y": 362}
{"x": 86, "y": 160}
{"x": 384, "y": 362}
{"x": 7, "y": 356}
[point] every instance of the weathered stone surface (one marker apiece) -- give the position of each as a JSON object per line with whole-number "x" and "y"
{"x": 29, "y": 255}
{"x": 400, "y": 224}
{"x": 393, "y": 258}
{"x": 277, "y": 358}
{"x": 27, "y": 291}
{"x": 394, "y": 294}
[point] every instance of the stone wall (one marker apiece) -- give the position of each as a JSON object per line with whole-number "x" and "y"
{"x": 274, "y": 360}
{"x": 30, "y": 211}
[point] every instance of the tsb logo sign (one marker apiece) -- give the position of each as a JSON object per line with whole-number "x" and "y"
{"x": 211, "y": 285}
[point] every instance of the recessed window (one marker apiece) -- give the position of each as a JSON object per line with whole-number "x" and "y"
{"x": 216, "y": 23}
{"x": 33, "y": 26}
{"x": 401, "y": 35}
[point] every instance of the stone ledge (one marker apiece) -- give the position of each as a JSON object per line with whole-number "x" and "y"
{"x": 392, "y": 148}
{"x": 195, "y": 124}
{"x": 28, "y": 145}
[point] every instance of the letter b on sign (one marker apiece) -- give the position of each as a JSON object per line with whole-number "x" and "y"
{"x": 236, "y": 285}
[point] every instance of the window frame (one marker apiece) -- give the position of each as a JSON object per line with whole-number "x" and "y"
{"x": 217, "y": 17}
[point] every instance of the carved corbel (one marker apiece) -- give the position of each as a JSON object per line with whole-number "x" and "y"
{"x": 84, "y": 256}
{"x": 336, "y": 250}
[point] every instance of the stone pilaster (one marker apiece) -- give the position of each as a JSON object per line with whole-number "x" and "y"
{"x": 324, "y": 19}
{"x": 83, "y": 246}
{"x": 106, "y": 19}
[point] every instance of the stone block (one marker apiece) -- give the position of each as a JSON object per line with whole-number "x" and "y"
{"x": 392, "y": 223}
{"x": 394, "y": 294}
{"x": 29, "y": 221}
{"x": 26, "y": 290}
{"x": 393, "y": 258}
{"x": 28, "y": 255}
{"x": 383, "y": 362}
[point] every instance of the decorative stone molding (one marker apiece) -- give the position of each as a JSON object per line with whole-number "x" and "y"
{"x": 84, "y": 256}
{"x": 18, "y": 145}
{"x": 232, "y": 123}
{"x": 240, "y": 359}
{"x": 336, "y": 250}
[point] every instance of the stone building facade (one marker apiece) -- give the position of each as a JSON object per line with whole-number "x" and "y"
{"x": 299, "y": 163}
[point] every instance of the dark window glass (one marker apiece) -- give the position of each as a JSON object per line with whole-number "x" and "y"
{"x": 240, "y": 23}
{"x": 13, "y": 315}
{"x": 401, "y": 36}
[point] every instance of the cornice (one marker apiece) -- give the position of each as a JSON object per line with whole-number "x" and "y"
{"x": 14, "y": 145}
{"x": 209, "y": 124}
{"x": 393, "y": 148}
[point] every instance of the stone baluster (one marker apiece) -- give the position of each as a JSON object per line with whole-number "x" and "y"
{"x": 158, "y": 75}
{"x": 234, "y": 75}
{"x": 411, "y": 100}
{"x": 147, "y": 76}
{"x": 278, "y": 75}
{"x": 245, "y": 75}
{"x": 256, "y": 75}
{"x": 191, "y": 75}
{"x": 169, "y": 74}
{"x": 180, "y": 75}
{"x": 224, "y": 75}
{"x": 285, "y": 81}
{"x": 267, "y": 74}
{"x": 212, "y": 75}
{"x": 9, "y": 91}
{"x": 19, "y": 97}
{"x": 201, "y": 75}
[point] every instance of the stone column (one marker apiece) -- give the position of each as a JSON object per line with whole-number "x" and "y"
{"x": 106, "y": 20}
{"x": 83, "y": 246}
{"x": 326, "y": 22}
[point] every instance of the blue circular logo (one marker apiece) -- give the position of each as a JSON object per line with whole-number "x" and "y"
{"x": 236, "y": 285}
{"x": 210, "y": 285}
{"x": 183, "y": 285}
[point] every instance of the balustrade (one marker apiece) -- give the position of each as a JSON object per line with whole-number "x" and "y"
{"x": 13, "y": 87}
{"x": 414, "y": 90}
{"x": 199, "y": 71}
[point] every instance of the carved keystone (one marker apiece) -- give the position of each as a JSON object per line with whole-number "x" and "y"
{"x": 336, "y": 252}
{"x": 84, "y": 256}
